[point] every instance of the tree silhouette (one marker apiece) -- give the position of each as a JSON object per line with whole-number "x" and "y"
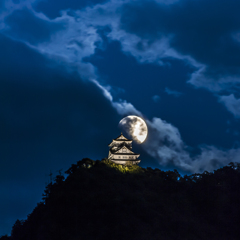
{"x": 101, "y": 200}
{"x": 5, "y": 237}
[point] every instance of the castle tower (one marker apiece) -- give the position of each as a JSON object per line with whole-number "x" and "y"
{"x": 120, "y": 151}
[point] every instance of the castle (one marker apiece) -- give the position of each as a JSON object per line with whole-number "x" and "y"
{"x": 120, "y": 151}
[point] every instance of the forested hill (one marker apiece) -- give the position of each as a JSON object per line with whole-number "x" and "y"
{"x": 101, "y": 200}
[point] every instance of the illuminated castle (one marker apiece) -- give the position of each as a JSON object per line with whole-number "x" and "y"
{"x": 120, "y": 151}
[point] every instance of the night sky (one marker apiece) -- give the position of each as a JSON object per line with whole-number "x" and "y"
{"x": 71, "y": 70}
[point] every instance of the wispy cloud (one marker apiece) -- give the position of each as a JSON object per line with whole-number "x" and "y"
{"x": 156, "y": 98}
{"x": 123, "y": 107}
{"x": 232, "y": 104}
{"x": 167, "y": 147}
{"x": 173, "y": 92}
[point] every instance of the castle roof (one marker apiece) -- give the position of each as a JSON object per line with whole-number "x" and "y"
{"x": 125, "y": 148}
{"x": 120, "y": 139}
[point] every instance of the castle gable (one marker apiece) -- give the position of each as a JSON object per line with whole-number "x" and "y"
{"x": 121, "y": 138}
{"x": 124, "y": 149}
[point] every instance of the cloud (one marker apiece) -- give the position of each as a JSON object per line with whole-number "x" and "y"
{"x": 212, "y": 158}
{"x": 24, "y": 25}
{"x": 67, "y": 39}
{"x": 165, "y": 144}
{"x": 79, "y": 36}
{"x": 53, "y": 10}
{"x": 232, "y": 104}
{"x": 105, "y": 90}
{"x": 156, "y": 98}
{"x": 173, "y": 92}
{"x": 196, "y": 32}
{"x": 199, "y": 32}
{"x": 123, "y": 107}
{"x": 214, "y": 82}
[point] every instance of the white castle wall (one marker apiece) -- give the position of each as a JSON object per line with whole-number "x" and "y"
{"x": 125, "y": 162}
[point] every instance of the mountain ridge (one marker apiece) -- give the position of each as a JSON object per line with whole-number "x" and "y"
{"x": 103, "y": 200}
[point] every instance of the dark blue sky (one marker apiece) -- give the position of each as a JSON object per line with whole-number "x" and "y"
{"x": 71, "y": 70}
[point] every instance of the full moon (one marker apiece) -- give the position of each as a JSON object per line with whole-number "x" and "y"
{"x": 135, "y": 127}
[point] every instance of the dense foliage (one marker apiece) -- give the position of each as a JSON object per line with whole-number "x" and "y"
{"x": 102, "y": 200}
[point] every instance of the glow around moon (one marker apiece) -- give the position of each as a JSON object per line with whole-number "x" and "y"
{"x": 135, "y": 127}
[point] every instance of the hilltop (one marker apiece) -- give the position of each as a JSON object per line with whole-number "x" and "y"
{"x": 101, "y": 200}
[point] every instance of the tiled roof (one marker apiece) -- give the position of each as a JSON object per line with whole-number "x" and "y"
{"x": 122, "y": 138}
{"x": 125, "y": 154}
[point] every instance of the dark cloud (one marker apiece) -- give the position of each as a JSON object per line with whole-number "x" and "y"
{"x": 206, "y": 30}
{"x": 53, "y": 10}
{"x": 2, "y": 5}
{"x": 24, "y": 25}
{"x": 49, "y": 119}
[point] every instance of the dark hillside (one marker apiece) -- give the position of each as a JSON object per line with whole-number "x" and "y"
{"x": 101, "y": 200}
